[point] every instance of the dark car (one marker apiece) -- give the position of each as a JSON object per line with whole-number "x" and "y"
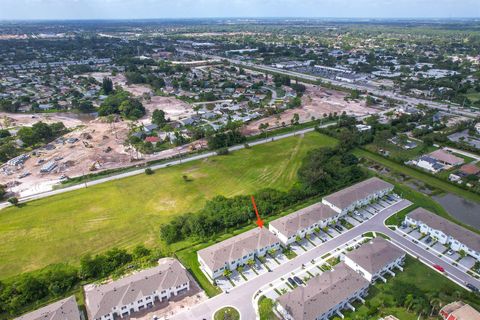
{"x": 428, "y": 240}
{"x": 297, "y": 280}
{"x": 472, "y": 287}
{"x": 290, "y": 280}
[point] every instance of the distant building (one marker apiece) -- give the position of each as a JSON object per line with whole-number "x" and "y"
{"x": 139, "y": 291}
{"x": 375, "y": 258}
{"x": 65, "y": 309}
{"x": 428, "y": 163}
{"x": 324, "y": 296}
{"x": 348, "y": 199}
{"x": 446, "y": 158}
{"x": 302, "y": 222}
{"x": 236, "y": 251}
{"x": 458, "y": 310}
{"x": 445, "y": 232}
{"x": 469, "y": 169}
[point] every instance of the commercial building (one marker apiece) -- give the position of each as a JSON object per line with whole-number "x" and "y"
{"x": 446, "y": 232}
{"x": 375, "y": 258}
{"x": 359, "y": 194}
{"x": 136, "y": 292}
{"x": 302, "y": 222}
{"x": 236, "y": 251}
{"x": 324, "y": 296}
{"x": 65, "y": 309}
{"x": 458, "y": 310}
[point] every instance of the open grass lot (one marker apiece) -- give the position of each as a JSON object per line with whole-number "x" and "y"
{"x": 415, "y": 274}
{"x": 227, "y": 313}
{"x": 400, "y": 153}
{"x": 127, "y": 212}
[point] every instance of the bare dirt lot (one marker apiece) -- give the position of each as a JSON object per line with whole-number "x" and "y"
{"x": 136, "y": 90}
{"x": 175, "y": 109}
{"x": 316, "y": 102}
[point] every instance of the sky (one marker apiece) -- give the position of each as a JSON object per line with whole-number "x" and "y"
{"x": 147, "y": 9}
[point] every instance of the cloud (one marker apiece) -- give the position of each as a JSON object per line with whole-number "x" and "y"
{"x": 85, "y": 9}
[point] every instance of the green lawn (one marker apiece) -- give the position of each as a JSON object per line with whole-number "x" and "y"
{"x": 416, "y": 275}
{"x": 130, "y": 211}
{"x": 226, "y": 313}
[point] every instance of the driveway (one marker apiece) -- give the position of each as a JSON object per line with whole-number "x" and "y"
{"x": 467, "y": 261}
{"x": 439, "y": 247}
{"x": 248, "y": 273}
{"x": 236, "y": 278}
{"x": 352, "y": 221}
{"x": 223, "y": 284}
{"x": 297, "y": 249}
{"x": 415, "y": 234}
{"x": 259, "y": 267}
{"x": 316, "y": 239}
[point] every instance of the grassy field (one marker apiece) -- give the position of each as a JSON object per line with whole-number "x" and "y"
{"x": 415, "y": 274}
{"x": 130, "y": 211}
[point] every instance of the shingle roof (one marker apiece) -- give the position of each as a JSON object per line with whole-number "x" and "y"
{"x": 465, "y": 236}
{"x": 322, "y": 292}
{"x": 290, "y": 224}
{"x": 373, "y": 256}
{"x": 344, "y": 198}
{"x": 101, "y": 299}
{"x": 469, "y": 169}
{"x": 236, "y": 247}
{"x": 445, "y": 157}
{"x": 65, "y": 309}
{"x": 461, "y": 311}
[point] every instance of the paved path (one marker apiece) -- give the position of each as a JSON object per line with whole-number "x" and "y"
{"x": 158, "y": 166}
{"x": 241, "y": 296}
{"x": 465, "y": 153}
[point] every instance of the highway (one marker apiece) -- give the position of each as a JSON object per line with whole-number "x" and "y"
{"x": 241, "y": 296}
{"x": 155, "y": 167}
{"x": 375, "y": 91}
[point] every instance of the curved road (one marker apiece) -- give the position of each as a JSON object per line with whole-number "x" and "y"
{"x": 241, "y": 296}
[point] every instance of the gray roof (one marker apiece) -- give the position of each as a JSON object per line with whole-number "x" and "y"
{"x": 322, "y": 292}
{"x": 465, "y": 236}
{"x": 101, "y": 299}
{"x": 344, "y": 198}
{"x": 290, "y": 224}
{"x": 373, "y": 256}
{"x": 236, "y": 247}
{"x": 66, "y": 309}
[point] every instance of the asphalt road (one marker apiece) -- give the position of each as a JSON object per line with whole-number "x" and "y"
{"x": 154, "y": 167}
{"x": 241, "y": 296}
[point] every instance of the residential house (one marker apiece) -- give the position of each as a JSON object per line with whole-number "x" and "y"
{"x": 362, "y": 193}
{"x": 428, "y": 163}
{"x": 375, "y": 258}
{"x": 302, "y": 222}
{"x": 446, "y": 158}
{"x": 236, "y": 251}
{"x": 324, "y": 296}
{"x": 446, "y": 232}
{"x": 468, "y": 169}
{"x": 139, "y": 291}
{"x": 458, "y": 310}
{"x": 65, "y": 309}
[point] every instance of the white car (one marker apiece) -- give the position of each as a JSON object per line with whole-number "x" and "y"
{"x": 450, "y": 252}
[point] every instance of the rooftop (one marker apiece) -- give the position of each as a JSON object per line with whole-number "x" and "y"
{"x": 322, "y": 292}
{"x": 290, "y": 224}
{"x": 465, "y": 236}
{"x": 65, "y": 309}
{"x": 373, "y": 256}
{"x": 236, "y": 247}
{"x": 445, "y": 157}
{"x": 344, "y": 198}
{"x": 100, "y": 299}
{"x": 461, "y": 311}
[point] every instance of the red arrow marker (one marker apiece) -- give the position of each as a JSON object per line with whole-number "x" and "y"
{"x": 259, "y": 220}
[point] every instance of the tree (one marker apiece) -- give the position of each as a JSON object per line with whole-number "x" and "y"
{"x": 158, "y": 117}
{"x": 13, "y": 200}
{"x": 227, "y": 273}
{"x": 107, "y": 85}
{"x": 251, "y": 263}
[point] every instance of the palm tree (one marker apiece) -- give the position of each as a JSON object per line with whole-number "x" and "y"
{"x": 272, "y": 252}
{"x": 227, "y": 273}
{"x": 435, "y": 304}
{"x": 408, "y": 301}
{"x": 251, "y": 263}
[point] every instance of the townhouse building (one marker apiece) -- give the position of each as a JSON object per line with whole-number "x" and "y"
{"x": 375, "y": 258}
{"x": 136, "y": 292}
{"x": 445, "y": 232}
{"x": 65, "y": 309}
{"x": 302, "y": 222}
{"x": 324, "y": 296}
{"x": 236, "y": 251}
{"x": 357, "y": 195}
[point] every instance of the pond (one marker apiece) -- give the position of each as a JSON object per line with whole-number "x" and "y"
{"x": 466, "y": 211}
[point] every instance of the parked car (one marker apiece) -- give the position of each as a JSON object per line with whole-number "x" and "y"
{"x": 439, "y": 268}
{"x": 290, "y": 280}
{"x": 472, "y": 287}
{"x": 356, "y": 213}
{"x": 428, "y": 240}
{"x": 450, "y": 252}
{"x": 298, "y": 280}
